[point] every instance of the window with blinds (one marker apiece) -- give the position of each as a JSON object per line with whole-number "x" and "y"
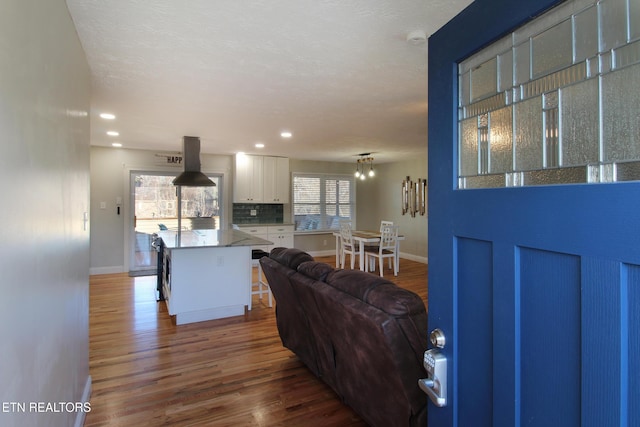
{"x": 321, "y": 201}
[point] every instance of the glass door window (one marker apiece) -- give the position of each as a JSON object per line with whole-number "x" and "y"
{"x": 156, "y": 206}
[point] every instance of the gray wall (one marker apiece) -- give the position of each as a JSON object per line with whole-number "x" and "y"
{"x": 376, "y": 199}
{"x": 382, "y": 197}
{"x": 44, "y": 129}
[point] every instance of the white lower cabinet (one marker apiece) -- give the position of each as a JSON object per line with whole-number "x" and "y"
{"x": 261, "y": 231}
{"x": 280, "y": 235}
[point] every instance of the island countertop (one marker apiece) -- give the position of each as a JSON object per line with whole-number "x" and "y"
{"x": 209, "y": 238}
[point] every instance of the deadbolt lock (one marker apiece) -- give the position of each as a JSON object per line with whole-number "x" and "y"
{"x": 437, "y": 338}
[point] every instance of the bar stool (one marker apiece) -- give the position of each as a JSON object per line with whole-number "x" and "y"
{"x": 256, "y": 254}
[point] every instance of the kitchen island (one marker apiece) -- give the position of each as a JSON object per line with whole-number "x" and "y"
{"x": 206, "y": 274}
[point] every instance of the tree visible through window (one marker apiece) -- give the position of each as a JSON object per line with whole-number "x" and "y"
{"x": 156, "y": 204}
{"x": 321, "y": 201}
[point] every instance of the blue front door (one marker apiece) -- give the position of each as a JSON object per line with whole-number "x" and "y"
{"x": 536, "y": 287}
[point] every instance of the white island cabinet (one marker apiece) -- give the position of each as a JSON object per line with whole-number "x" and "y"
{"x": 207, "y": 273}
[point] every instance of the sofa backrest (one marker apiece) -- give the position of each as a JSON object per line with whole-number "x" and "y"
{"x": 371, "y": 334}
{"x": 291, "y": 317}
{"x": 289, "y": 257}
{"x": 406, "y": 307}
{"x": 361, "y": 333}
{"x": 375, "y": 350}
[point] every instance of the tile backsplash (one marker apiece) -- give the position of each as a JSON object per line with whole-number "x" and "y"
{"x": 264, "y": 213}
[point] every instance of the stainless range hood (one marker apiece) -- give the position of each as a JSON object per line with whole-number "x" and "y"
{"x": 192, "y": 177}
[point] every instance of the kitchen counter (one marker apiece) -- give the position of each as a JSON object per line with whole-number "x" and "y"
{"x": 209, "y": 238}
{"x": 281, "y": 234}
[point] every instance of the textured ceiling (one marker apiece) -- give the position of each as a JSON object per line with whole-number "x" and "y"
{"x": 339, "y": 74}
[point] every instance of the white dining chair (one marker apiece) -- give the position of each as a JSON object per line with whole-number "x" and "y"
{"x": 387, "y": 249}
{"x": 347, "y": 244}
{"x": 382, "y": 224}
{"x": 375, "y": 246}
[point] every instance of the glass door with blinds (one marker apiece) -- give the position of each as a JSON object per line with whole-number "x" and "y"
{"x": 156, "y": 206}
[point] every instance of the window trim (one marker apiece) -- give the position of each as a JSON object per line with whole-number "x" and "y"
{"x": 323, "y": 177}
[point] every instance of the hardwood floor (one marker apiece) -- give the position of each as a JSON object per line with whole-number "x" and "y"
{"x": 146, "y": 371}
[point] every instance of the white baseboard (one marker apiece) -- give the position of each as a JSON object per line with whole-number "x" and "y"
{"x": 86, "y": 395}
{"x": 416, "y": 258}
{"x": 328, "y": 252}
{"x": 107, "y": 270}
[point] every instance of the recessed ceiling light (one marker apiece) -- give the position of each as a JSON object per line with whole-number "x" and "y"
{"x": 286, "y": 134}
{"x": 259, "y": 145}
{"x": 108, "y": 116}
{"x": 116, "y": 144}
{"x": 113, "y": 133}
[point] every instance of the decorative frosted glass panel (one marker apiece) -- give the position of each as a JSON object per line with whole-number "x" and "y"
{"x": 628, "y": 171}
{"x": 469, "y": 147}
{"x": 554, "y": 81}
{"x": 613, "y": 24}
{"x": 634, "y": 19}
{"x": 484, "y": 181}
{"x": 528, "y": 122}
{"x": 523, "y": 63}
{"x": 505, "y": 73}
{"x": 483, "y": 143}
{"x": 605, "y": 172}
{"x": 573, "y": 175}
{"x": 552, "y": 49}
{"x": 627, "y": 55}
{"x": 556, "y": 101}
{"x": 605, "y": 62}
{"x": 586, "y": 34}
{"x": 579, "y": 115}
{"x": 484, "y": 80}
{"x": 500, "y": 141}
{"x": 551, "y": 125}
{"x": 464, "y": 89}
{"x": 486, "y": 105}
{"x": 621, "y": 109}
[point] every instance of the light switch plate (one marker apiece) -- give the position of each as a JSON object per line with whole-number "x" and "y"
{"x": 103, "y": 205}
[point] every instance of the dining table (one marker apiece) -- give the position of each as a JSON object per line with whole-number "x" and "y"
{"x": 364, "y": 237}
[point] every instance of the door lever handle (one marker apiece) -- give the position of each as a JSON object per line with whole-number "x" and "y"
{"x": 435, "y": 385}
{"x": 429, "y": 387}
{"x": 425, "y": 384}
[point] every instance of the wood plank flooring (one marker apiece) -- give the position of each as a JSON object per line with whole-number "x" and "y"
{"x": 146, "y": 371}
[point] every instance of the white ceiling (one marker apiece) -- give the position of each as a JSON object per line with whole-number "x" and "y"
{"x": 339, "y": 74}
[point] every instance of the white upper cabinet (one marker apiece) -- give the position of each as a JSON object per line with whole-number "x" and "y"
{"x": 276, "y": 180}
{"x": 261, "y": 179}
{"x": 247, "y": 185}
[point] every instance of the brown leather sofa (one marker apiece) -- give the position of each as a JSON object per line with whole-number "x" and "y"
{"x": 363, "y": 335}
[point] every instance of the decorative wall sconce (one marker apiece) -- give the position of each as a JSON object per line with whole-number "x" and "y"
{"x": 361, "y": 164}
{"x": 414, "y": 196}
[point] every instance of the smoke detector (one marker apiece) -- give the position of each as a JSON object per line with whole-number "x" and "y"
{"x": 417, "y": 37}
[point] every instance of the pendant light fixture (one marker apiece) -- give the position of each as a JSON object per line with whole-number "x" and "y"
{"x": 364, "y": 160}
